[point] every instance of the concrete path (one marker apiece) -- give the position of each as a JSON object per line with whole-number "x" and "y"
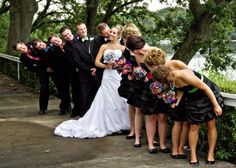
{"x": 27, "y": 139}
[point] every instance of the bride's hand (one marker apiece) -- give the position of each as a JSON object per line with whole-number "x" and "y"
{"x": 109, "y": 66}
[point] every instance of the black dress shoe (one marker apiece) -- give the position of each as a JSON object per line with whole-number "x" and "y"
{"x": 208, "y": 162}
{"x": 68, "y": 110}
{"x": 41, "y": 112}
{"x": 74, "y": 115}
{"x": 61, "y": 112}
{"x": 153, "y": 150}
{"x": 194, "y": 163}
{"x": 174, "y": 156}
{"x": 166, "y": 150}
{"x": 130, "y": 136}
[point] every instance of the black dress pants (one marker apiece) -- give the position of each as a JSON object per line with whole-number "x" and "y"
{"x": 61, "y": 81}
{"x": 44, "y": 90}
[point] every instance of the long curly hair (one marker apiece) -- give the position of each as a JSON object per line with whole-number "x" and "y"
{"x": 154, "y": 57}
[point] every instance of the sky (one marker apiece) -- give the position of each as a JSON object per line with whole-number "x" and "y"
{"x": 156, "y": 5}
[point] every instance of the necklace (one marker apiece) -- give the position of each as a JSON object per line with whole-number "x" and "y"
{"x": 172, "y": 86}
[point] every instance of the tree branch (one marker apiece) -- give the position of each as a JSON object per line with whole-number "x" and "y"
{"x": 5, "y": 7}
{"x": 111, "y": 6}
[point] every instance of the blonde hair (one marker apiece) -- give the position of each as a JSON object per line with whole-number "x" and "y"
{"x": 154, "y": 57}
{"x": 130, "y": 29}
{"x": 120, "y": 30}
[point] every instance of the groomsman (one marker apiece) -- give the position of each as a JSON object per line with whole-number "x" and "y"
{"x": 30, "y": 58}
{"x": 70, "y": 51}
{"x": 102, "y": 38}
{"x": 85, "y": 63}
{"x": 56, "y": 66}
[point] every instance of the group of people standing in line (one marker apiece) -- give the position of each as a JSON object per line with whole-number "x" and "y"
{"x": 107, "y": 99}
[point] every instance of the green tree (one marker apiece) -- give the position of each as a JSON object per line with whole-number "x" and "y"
{"x": 21, "y": 17}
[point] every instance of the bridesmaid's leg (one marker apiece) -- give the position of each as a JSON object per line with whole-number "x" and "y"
{"x": 131, "y": 116}
{"x": 193, "y": 139}
{"x": 162, "y": 129}
{"x": 212, "y": 136}
{"x": 138, "y": 121}
{"x": 176, "y": 137}
{"x": 183, "y": 137}
{"x": 151, "y": 129}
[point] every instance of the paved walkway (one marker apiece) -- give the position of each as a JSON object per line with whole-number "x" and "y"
{"x": 27, "y": 139}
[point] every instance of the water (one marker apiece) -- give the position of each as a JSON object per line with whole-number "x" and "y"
{"x": 198, "y": 61}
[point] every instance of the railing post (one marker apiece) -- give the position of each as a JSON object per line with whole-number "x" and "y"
{"x": 18, "y": 71}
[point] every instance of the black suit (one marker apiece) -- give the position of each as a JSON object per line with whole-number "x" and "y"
{"x": 84, "y": 61}
{"x": 39, "y": 67}
{"x": 70, "y": 50}
{"x": 59, "y": 63}
{"x": 96, "y": 44}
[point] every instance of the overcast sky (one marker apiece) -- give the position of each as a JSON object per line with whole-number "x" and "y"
{"x": 156, "y": 5}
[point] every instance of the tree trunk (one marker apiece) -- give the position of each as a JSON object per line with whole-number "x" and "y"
{"x": 91, "y": 9}
{"x": 200, "y": 31}
{"x": 21, "y": 17}
{"x": 109, "y": 10}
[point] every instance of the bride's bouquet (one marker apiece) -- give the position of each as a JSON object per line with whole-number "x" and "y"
{"x": 110, "y": 57}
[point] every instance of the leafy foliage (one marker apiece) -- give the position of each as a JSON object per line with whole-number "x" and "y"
{"x": 4, "y": 24}
{"x": 226, "y": 141}
{"x": 226, "y": 85}
{"x": 219, "y": 55}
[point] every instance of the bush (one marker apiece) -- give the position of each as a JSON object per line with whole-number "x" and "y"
{"x": 225, "y": 85}
{"x": 226, "y": 141}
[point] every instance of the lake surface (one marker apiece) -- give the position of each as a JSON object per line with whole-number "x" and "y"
{"x": 198, "y": 61}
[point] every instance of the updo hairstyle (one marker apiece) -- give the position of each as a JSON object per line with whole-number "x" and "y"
{"x": 154, "y": 57}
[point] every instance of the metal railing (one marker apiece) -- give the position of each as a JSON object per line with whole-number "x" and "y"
{"x": 229, "y": 99}
{"x": 14, "y": 59}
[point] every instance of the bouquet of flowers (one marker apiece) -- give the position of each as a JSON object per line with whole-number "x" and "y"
{"x": 139, "y": 73}
{"x": 110, "y": 57}
{"x": 119, "y": 64}
{"x": 127, "y": 68}
{"x": 156, "y": 89}
{"x": 169, "y": 97}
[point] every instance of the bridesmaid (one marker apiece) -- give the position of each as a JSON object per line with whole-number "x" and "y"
{"x": 132, "y": 88}
{"x": 153, "y": 58}
{"x": 203, "y": 103}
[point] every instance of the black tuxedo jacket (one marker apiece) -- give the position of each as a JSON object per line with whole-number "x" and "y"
{"x": 31, "y": 60}
{"x": 96, "y": 44}
{"x": 83, "y": 60}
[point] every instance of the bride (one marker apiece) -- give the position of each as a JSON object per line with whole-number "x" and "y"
{"x": 109, "y": 112}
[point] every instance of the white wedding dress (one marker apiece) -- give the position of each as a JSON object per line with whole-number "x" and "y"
{"x": 108, "y": 113}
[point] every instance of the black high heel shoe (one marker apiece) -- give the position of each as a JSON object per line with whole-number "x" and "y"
{"x": 182, "y": 156}
{"x": 210, "y": 162}
{"x": 153, "y": 150}
{"x": 194, "y": 163}
{"x": 138, "y": 145}
{"x": 165, "y": 150}
{"x": 130, "y": 136}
